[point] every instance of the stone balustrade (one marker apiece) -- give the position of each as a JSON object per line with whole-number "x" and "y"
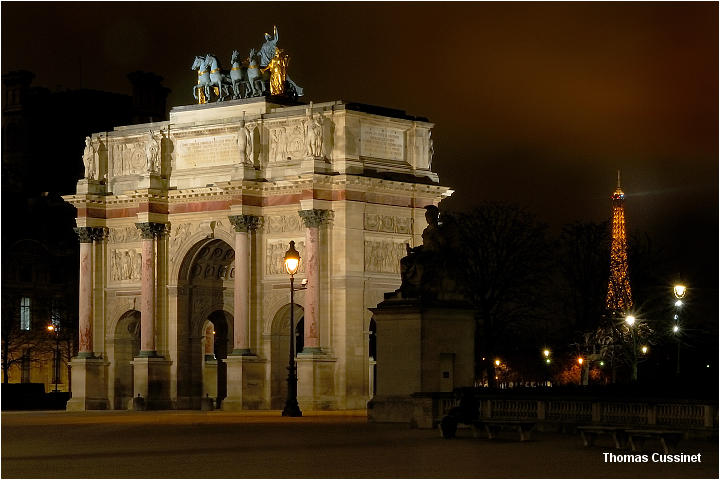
{"x": 430, "y": 408}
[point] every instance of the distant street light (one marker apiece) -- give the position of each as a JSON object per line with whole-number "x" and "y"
{"x": 679, "y": 291}
{"x": 292, "y": 409}
{"x": 644, "y": 349}
{"x": 56, "y": 329}
{"x": 630, "y": 320}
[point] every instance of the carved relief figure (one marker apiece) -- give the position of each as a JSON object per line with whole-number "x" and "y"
{"x": 278, "y": 147}
{"x": 245, "y": 143}
{"x": 126, "y": 264}
{"x": 431, "y": 149}
{"x": 276, "y": 253}
{"x": 117, "y": 160}
{"x": 124, "y": 234}
{"x": 90, "y": 160}
{"x": 152, "y": 153}
{"x": 383, "y": 256}
{"x": 313, "y": 134}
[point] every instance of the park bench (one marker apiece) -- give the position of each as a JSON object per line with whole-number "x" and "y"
{"x": 493, "y": 427}
{"x": 590, "y": 432}
{"x": 669, "y": 439}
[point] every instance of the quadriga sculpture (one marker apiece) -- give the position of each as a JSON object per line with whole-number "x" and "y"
{"x": 218, "y": 79}
{"x": 254, "y": 76}
{"x": 201, "y": 91}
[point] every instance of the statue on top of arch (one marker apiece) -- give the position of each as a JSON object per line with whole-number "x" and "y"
{"x": 262, "y": 73}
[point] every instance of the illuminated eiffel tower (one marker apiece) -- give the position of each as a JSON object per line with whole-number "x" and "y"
{"x": 619, "y": 297}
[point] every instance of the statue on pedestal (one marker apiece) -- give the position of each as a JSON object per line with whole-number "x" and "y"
{"x": 90, "y": 160}
{"x": 313, "y": 134}
{"x": 429, "y": 271}
{"x": 245, "y": 143}
{"x": 152, "y": 153}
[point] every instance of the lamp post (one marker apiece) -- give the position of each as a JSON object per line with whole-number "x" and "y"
{"x": 679, "y": 292}
{"x": 292, "y": 409}
{"x": 630, "y": 320}
{"x": 56, "y": 330}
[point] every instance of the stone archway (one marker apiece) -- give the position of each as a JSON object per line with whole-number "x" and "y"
{"x": 126, "y": 347}
{"x": 205, "y": 291}
{"x": 280, "y": 350}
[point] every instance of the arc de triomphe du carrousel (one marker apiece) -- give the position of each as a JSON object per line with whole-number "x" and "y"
{"x": 183, "y": 226}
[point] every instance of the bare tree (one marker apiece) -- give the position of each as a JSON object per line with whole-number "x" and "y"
{"x": 505, "y": 270}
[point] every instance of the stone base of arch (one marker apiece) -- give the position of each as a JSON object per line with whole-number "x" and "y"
{"x": 89, "y": 385}
{"x": 316, "y": 381}
{"x": 245, "y": 383}
{"x": 152, "y": 382}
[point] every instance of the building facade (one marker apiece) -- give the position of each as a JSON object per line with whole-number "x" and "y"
{"x": 183, "y": 226}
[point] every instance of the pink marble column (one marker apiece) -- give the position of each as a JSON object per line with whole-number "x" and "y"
{"x": 85, "y": 307}
{"x": 148, "y": 231}
{"x": 313, "y": 219}
{"x": 244, "y": 225}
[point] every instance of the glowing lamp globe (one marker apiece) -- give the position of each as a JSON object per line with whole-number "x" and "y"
{"x": 630, "y": 320}
{"x": 679, "y": 291}
{"x": 292, "y": 259}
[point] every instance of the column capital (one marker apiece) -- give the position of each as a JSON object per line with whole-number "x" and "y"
{"x": 88, "y": 234}
{"x": 245, "y": 223}
{"x": 149, "y": 230}
{"x": 314, "y": 218}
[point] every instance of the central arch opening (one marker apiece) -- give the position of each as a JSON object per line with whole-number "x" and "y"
{"x": 204, "y": 324}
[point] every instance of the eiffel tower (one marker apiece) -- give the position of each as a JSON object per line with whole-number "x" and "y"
{"x": 619, "y": 298}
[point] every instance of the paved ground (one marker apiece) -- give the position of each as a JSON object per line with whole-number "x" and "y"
{"x": 226, "y": 445}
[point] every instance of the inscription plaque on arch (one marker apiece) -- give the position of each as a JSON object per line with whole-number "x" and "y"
{"x": 382, "y": 142}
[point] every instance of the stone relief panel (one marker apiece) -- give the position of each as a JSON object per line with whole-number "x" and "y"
{"x": 383, "y": 256}
{"x": 124, "y": 234}
{"x": 179, "y": 232}
{"x": 125, "y": 264}
{"x": 387, "y": 223}
{"x": 283, "y": 223}
{"x": 128, "y": 159}
{"x": 275, "y": 254}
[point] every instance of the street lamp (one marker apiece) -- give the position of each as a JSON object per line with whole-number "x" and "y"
{"x": 56, "y": 329}
{"x": 679, "y": 291}
{"x": 292, "y": 409}
{"x": 630, "y": 320}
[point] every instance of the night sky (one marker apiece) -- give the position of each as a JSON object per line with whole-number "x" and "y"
{"x": 537, "y": 104}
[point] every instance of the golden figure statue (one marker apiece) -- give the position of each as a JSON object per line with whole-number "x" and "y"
{"x": 278, "y": 71}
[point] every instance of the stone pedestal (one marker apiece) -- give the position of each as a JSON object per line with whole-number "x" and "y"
{"x": 243, "y": 171}
{"x": 152, "y": 180}
{"x": 315, "y": 165}
{"x": 316, "y": 386}
{"x": 89, "y": 389}
{"x": 424, "y": 349}
{"x": 91, "y": 187}
{"x": 152, "y": 381}
{"x": 245, "y": 383}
